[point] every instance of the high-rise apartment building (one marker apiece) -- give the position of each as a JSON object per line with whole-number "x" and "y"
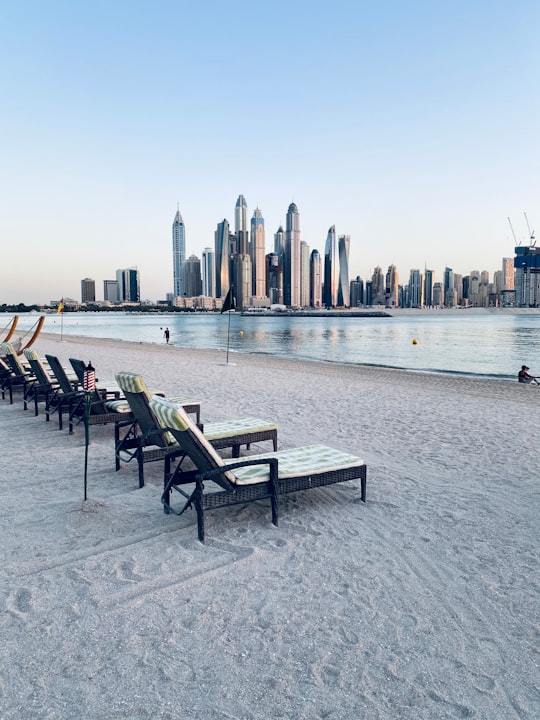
{"x": 279, "y": 244}
{"x": 221, "y": 246}
{"x": 508, "y": 274}
{"x": 208, "y": 271}
{"x": 391, "y": 288}
{"x": 416, "y": 289}
{"x": 377, "y": 289}
{"x": 291, "y": 284}
{"x": 192, "y": 274}
{"x": 128, "y": 285}
{"x": 357, "y": 292}
{"x": 429, "y": 279}
{"x": 344, "y": 298}
{"x": 304, "y": 274}
{"x": 241, "y": 226}
{"x": 179, "y": 254}
{"x": 242, "y": 280}
{"x": 110, "y": 291}
{"x": 274, "y": 279}
{"x": 331, "y": 269}
{"x": 527, "y": 276}
{"x": 88, "y": 290}
{"x": 449, "y": 291}
{"x": 316, "y": 280}
{"x": 258, "y": 255}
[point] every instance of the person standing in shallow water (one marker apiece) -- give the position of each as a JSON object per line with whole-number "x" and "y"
{"x": 166, "y": 335}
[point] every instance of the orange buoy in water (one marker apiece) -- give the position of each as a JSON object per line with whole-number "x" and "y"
{"x": 415, "y": 341}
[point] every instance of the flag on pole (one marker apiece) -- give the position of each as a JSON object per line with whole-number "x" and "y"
{"x": 228, "y": 303}
{"x": 60, "y": 307}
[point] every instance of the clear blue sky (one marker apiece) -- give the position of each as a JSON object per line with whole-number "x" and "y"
{"x": 411, "y": 126}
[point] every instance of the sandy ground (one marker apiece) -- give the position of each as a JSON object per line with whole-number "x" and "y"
{"x": 423, "y": 603}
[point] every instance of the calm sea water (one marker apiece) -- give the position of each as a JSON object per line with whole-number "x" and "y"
{"x": 491, "y": 345}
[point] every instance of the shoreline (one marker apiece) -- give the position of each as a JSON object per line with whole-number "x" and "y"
{"x": 326, "y": 363}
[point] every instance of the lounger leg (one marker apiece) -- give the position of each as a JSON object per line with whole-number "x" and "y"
{"x": 166, "y": 489}
{"x": 140, "y": 462}
{"x": 197, "y": 501}
{"x": 363, "y": 484}
{"x": 236, "y": 451}
{"x": 273, "y": 500}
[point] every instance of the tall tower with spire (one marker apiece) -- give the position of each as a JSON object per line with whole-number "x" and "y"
{"x": 179, "y": 253}
{"x": 331, "y": 269}
{"x": 291, "y": 280}
{"x": 257, "y": 252}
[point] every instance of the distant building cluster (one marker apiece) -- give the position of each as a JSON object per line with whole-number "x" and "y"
{"x": 295, "y": 276}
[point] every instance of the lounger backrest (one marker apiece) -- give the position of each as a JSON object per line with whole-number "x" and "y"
{"x": 41, "y": 375}
{"x": 13, "y": 360}
{"x": 138, "y": 396}
{"x": 191, "y": 439}
{"x": 60, "y": 374}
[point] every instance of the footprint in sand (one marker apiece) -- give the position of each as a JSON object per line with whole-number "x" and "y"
{"x": 19, "y": 603}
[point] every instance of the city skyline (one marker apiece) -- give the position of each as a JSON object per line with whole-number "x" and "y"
{"x": 410, "y": 128}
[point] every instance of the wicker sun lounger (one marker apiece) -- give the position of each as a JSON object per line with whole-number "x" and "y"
{"x": 253, "y": 478}
{"x": 148, "y": 443}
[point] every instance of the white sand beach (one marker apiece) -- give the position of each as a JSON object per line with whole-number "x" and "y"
{"x": 421, "y": 603}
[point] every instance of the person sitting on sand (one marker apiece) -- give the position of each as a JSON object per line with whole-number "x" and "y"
{"x": 524, "y": 377}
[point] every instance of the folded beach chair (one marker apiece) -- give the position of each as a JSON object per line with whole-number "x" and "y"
{"x": 253, "y": 478}
{"x": 19, "y": 375}
{"x": 149, "y": 443}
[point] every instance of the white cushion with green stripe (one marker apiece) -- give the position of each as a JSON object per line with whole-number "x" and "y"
{"x": 8, "y": 349}
{"x": 297, "y": 462}
{"x": 117, "y": 406}
{"x": 230, "y": 428}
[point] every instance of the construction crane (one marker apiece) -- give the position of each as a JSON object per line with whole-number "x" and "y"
{"x": 513, "y": 233}
{"x": 531, "y": 233}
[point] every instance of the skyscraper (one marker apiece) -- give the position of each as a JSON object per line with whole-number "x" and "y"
{"x": 221, "y": 244}
{"x": 128, "y": 285}
{"x": 416, "y": 289}
{"x": 316, "y": 280}
{"x": 179, "y": 254}
{"x": 88, "y": 290}
{"x": 304, "y": 274}
{"x": 344, "y": 298}
{"x": 291, "y": 283}
{"x": 257, "y": 253}
{"x": 208, "y": 270}
{"x": 274, "y": 279}
{"x": 279, "y": 244}
{"x": 331, "y": 269}
{"x": 527, "y": 280}
{"x": 429, "y": 278}
{"x": 508, "y": 274}
{"x": 110, "y": 291}
{"x": 392, "y": 287}
{"x": 241, "y": 226}
{"x": 449, "y": 292}
{"x": 192, "y": 271}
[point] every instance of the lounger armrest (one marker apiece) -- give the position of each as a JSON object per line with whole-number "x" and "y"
{"x": 272, "y": 462}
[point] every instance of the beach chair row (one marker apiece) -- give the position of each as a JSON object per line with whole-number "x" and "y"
{"x": 149, "y": 428}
